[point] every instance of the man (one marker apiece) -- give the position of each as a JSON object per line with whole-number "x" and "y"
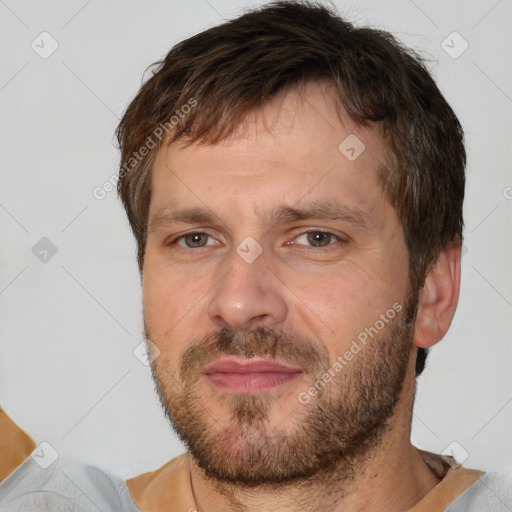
{"x": 295, "y": 187}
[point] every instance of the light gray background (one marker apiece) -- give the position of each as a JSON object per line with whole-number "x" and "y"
{"x": 68, "y": 327}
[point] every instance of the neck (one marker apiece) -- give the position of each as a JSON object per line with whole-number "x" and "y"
{"x": 385, "y": 482}
{"x": 392, "y": 476}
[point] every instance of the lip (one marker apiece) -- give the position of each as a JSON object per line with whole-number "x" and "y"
{"x": 235, "y": 364}
{"x": 244, "y": 375}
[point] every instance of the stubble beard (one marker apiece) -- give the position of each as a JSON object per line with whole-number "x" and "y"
{"x": 337, "y": 430}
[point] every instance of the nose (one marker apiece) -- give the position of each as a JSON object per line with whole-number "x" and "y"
{"x": 248, "y": 296}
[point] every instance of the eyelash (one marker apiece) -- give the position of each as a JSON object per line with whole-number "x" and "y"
{"x": 304, "y": 233}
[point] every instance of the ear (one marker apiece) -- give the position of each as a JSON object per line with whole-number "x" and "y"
{"x": 439, "y": 297}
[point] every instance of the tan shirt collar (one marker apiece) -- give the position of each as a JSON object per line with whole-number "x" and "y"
{"x": 168, "y": 488}
{"x": 455, "y": 480}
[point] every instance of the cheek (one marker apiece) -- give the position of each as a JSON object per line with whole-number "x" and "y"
{"x": 339, "y": 304}
{"x": 343, "y": 298}
{"x": 170, "y": 299}
{"x": 161, "y": 312}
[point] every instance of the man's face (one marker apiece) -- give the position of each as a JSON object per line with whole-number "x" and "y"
{"x": 273, "y": 245}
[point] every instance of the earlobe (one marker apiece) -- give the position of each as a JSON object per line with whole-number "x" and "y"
{"x": 439, "y": 297}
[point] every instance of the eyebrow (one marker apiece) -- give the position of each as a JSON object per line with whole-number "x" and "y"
{"x": 321, "y": 210}
{"x": 317, "y": 210}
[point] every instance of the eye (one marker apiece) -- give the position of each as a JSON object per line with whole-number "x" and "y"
{"x": 194, "y": 240}
{"x": 317, "y": 238}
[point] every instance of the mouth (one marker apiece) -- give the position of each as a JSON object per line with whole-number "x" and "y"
{"x": 244, "y": 376}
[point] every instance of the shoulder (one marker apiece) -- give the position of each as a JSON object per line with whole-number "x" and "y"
{"x": 64, "y": 485}
{"x": 168, "y": 484}
{"x": 492, "y": 492}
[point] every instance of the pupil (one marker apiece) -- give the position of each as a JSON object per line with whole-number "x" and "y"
{"x": 317, "y": 238}
{"x": 195, "y": 240}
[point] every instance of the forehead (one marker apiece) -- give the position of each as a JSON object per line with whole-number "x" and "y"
{"x": 300, "y": 145}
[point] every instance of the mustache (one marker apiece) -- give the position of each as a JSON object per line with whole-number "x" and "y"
{"x": 262, "y": 341}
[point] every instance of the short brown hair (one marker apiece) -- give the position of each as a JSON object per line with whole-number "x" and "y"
{"x": 234, "y": 68}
